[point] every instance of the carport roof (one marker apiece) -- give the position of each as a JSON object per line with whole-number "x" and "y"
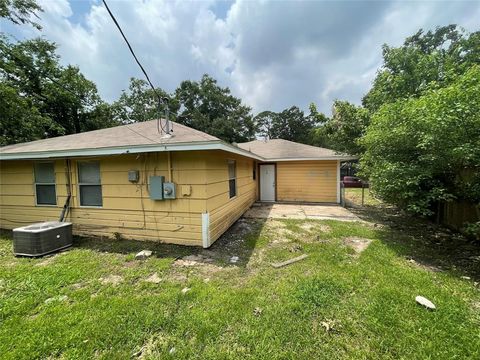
{"x": 284, "y": 150}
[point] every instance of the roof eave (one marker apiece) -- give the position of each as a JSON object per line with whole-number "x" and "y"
{"x": 337, "y": 157}
{"x": 135, "y": 149}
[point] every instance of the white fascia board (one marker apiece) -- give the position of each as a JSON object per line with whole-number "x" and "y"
{"x": 118, "y": 150}
{"x": 340, "y": 157}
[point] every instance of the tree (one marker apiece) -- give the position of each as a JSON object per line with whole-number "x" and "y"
{"x": 347, "y": 126}
{"x": 140, "y": 103}
{"x": 425, "y": 60}
{"x": 207, "y": 107}
{"x": 420, "y": 151}
{"x": 20, "y": 120}
{"x": 20, "y": 11}
{"x": 343, "y": 130}
{"x": 31, "y": 70}
{"x": 290, "y": 124}
{"x": 264, "y": 122}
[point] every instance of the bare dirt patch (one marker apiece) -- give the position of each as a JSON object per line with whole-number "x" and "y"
{"x": 111, "y": 280}
{"x": 154, "y": 279}
{"x": 358, "y": 244}
{"x": 425, "y": 266}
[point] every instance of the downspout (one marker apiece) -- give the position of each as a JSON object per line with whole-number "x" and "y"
{"x": 66, "y": 206}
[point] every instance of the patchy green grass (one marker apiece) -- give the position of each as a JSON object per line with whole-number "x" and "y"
{"x": 335, "y": 304}
{"x": 354, "y": 196}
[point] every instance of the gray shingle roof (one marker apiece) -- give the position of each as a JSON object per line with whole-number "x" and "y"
{"x": 276, "y": 149}
{"x": 143, "y": 133}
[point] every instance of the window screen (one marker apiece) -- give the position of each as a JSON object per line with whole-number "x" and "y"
{"x": 45, "y": 183}
{"x": 90, "y": 187}
{"x": 232, "y": 178}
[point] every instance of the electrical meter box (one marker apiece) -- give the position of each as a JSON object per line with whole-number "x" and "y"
{"x": 156, "y": 187}
{"x": 133, "y": 176}
{"x": 169, "y": 190}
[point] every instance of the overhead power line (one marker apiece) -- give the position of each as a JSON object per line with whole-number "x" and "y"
{"x": 160, "y": 99}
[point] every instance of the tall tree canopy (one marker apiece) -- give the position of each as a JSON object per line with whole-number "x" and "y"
{"x": 208, "y": 107}
{"x": 426, "y": 59}
{"x": 343, "y": 130}
{"x": 64, "y": 99}
{"x": 289, "y": 124}
{"x": 140, "y": 103}
{"x": 20, "y": 11}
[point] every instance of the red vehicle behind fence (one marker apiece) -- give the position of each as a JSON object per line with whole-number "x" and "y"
{"x": 353, "y": 182}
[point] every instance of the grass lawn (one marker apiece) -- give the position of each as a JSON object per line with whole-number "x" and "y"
{"x": 94, "y": 301}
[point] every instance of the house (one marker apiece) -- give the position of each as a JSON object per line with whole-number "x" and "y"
{"x": 131, "y": 181}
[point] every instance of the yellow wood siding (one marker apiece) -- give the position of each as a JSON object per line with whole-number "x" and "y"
{"x": 127, "y": 208}
{"x": 224, "y": 211}
{"x": 309, "y": 181}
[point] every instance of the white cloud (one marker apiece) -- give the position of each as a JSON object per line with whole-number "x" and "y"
{"x": 271, "y": 54}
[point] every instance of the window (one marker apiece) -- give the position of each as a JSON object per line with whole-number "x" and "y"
{"x": 89, "y": 184}
{"x": 45, "y": 183}
{"x": 232, "y": 178}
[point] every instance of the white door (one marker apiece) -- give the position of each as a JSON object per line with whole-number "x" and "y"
{"x": 267, "y": 182}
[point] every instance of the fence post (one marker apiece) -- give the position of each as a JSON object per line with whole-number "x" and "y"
{"x": 363, "y": 194}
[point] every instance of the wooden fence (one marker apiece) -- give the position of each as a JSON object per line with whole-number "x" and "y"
{"x": 456, "y": 213}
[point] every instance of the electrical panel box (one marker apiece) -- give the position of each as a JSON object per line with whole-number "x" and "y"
{"x": 133, "y": 176}
{"x": 169, "y": 190}
{"x": 156, "y": 187}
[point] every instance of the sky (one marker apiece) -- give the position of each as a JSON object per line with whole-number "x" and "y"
{"x": 271, "y": 54}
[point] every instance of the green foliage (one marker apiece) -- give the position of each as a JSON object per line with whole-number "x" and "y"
{"x": 140, "y": 103}
{"x": 210, "y": 108}
{"x": 342, "y": 131}
{"x": 20, "y": 121}
{"x": 20, "y": 11}
{"x": 65, "y": 100}
{"x": 425, "y": 60}
{"x": 418, "y": 149}
{"x": 346, "y": 127}
{"x": 290, "y": 124}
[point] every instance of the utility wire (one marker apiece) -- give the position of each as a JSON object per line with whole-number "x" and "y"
{"x": 160, "y": 99}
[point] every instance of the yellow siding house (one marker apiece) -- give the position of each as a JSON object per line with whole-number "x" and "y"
{"x": 132, "y": 182}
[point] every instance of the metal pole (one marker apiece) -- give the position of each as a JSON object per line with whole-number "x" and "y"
{"x": 363, "y": 193}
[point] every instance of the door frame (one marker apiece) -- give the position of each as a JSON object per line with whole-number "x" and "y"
{"x": 260, "y": 179}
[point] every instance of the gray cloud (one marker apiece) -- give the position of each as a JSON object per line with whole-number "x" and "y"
{"x": 271, "y": 54}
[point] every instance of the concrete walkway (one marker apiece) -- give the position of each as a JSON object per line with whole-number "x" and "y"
{"x": 299, "y": 211}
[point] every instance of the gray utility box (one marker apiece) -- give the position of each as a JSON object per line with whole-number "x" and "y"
{"x": 156, "y": 187}
{"x": 42, "y": 238}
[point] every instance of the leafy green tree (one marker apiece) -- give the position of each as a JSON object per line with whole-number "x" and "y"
{"x": 264, "y": 123}
{"x": 347, "y": 125}
{"x": 31, "y": 70}
{"x": 207, "y": 107}
{"x": 431, "y": 59}
{"x": 343, "y": 130}
{"x": 420, "y": 151}
{"x": 140, "y": 103}
{"x": 20, "y": 11}
{"x": 20, "y": 120}
{"x": 290, "y": 124}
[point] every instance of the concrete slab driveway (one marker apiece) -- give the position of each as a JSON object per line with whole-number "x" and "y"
{"x": 299, "y": 211}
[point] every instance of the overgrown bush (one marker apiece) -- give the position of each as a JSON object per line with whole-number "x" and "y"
{"x": 423, "y": 150}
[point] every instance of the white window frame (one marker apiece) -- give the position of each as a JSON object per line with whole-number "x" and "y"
{"x": 230, "y": 161}
{"x": 35, "y": 183}
{"x": 80, "y": 184}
